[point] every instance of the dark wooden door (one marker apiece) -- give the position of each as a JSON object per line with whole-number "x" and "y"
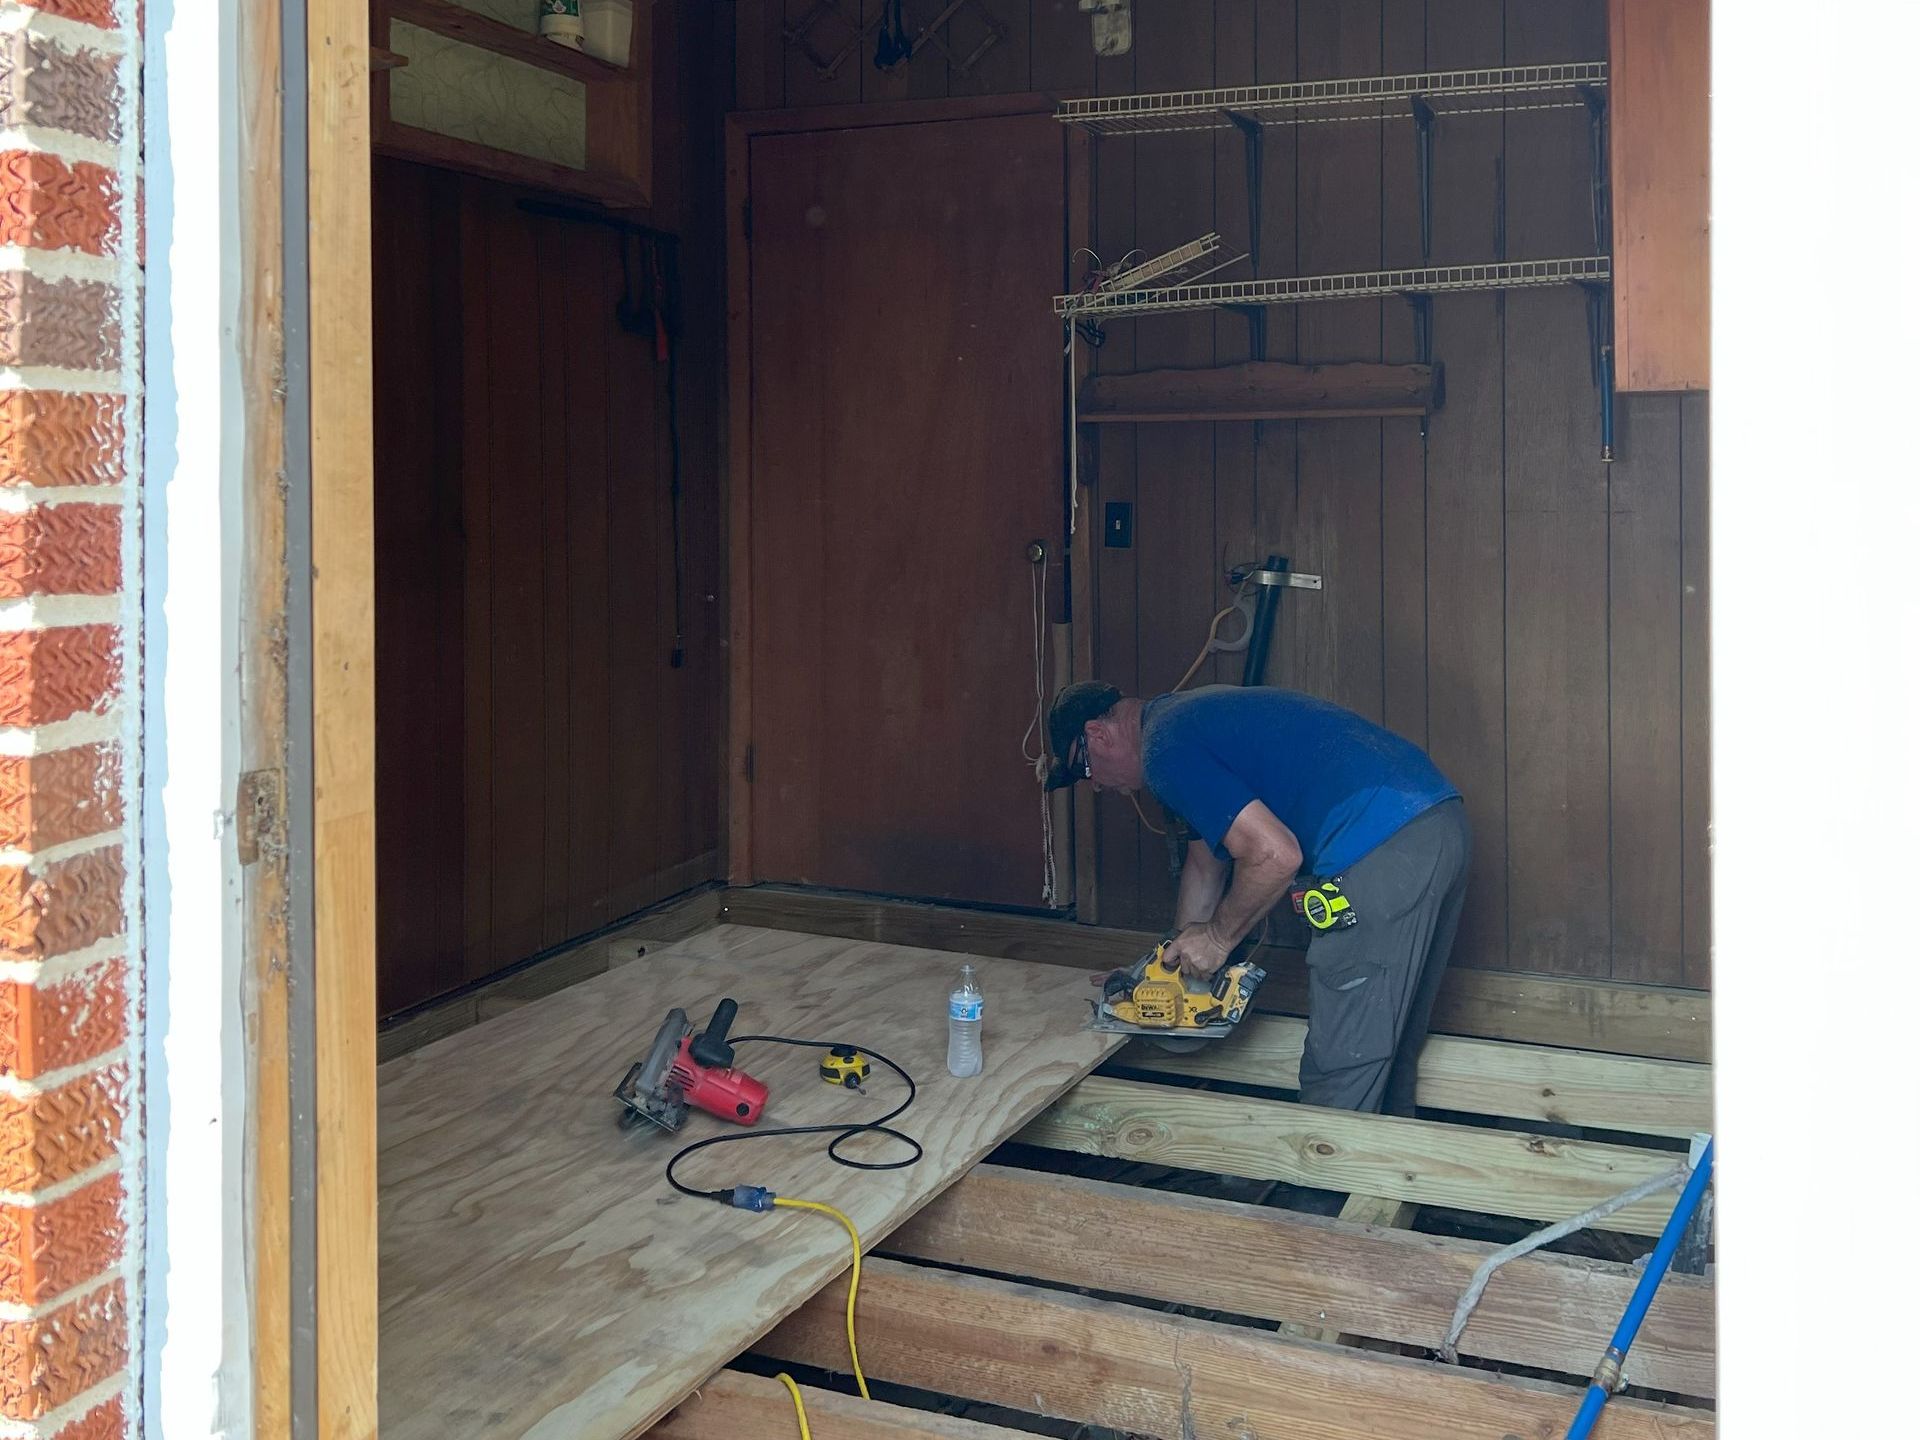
{"x": 907, "y": 448}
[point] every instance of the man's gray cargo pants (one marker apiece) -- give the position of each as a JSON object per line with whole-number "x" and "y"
{"x": 1371, "y": 986}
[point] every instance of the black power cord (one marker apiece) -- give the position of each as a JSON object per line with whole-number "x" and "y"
{"x": 841, "y": 1133}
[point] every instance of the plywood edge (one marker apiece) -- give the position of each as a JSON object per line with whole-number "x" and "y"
{"x": 1544, "y": 1311}
{"x": 1652, "y": 1021}
{"x": 1098, "y": 1362}
{"x": 1496, "y": 1172}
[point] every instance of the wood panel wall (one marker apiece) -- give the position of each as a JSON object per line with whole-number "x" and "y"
{"x": 543, "y": 769}
{"x": 1534, "y": 617}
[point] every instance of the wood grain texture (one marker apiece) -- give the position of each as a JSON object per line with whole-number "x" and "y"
{"x": 732, "y": 1405}
{"x": 1550, "y": 1312}
{"x": 1632, "y": 1095}
{"x": 536, "y": 1269}
{"x": 1414, "y": 625}
{"x": 1658, "y": 113}
{"x": 1645, "y": 700}
{"x": 1079, "y": 1359}
{"x": 1696, "y": 871}
{"x": 266, "y": 917}
{"x": 340, "y": 346}
{"x": 1558, "y": 761}
{"x": 1258, "y": 390}
{"x": 1659, "y": 1022}
{"x": 904, "y": 456}
{"x": 1496, "y": 1172}
{"x": 538, "y": 754}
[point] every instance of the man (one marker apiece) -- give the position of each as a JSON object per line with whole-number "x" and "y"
{"x": 1278, "y": 785}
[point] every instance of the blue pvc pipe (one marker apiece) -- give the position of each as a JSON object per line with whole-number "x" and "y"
{"x": 1607, "y": 1374}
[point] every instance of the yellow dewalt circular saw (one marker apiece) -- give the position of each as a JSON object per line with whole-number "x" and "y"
{"x": 1153, "y": 998}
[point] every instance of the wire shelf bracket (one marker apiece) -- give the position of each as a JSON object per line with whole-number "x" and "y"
{"x": 1362, "y": 285}
{"x": 1377, "y": 97}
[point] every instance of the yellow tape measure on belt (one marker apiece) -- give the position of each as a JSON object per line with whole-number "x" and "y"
{"x": 1324, "y": 905}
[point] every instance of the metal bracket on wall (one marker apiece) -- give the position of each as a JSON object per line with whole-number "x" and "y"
{"x": 1423, "y": 116}
{"x": 1251, "y": 133}
{"x": 1421, "y": 304}
{"x": 1602, "y": 193}
{"x": 1600, "y": 356}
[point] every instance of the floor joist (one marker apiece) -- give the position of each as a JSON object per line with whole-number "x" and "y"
{"x": 1476, "y": 1077}
{"x": 1546, "y": 1312}
{"x": 1103, "y": 1363}
{"x": 733, "y": 1406}
{"x": 1497, "y": 1172}
{"x": 1574, "y": 1014}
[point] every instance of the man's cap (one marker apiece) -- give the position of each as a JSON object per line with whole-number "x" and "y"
{"x": 1073, "y": 707}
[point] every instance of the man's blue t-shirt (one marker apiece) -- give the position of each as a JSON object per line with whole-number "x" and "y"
{"x": 1340, "y": 783}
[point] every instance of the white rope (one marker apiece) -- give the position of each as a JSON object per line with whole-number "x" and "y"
{"x": 1028, "y": 745}
{"x": 1670, "y": 1180}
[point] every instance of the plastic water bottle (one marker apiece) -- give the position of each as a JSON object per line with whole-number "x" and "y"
{"x": 964, "y": 1008}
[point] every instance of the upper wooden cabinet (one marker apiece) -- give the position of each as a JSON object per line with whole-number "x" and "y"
{"x": 1659, "y": 79}
{"x": 471, "y": 85}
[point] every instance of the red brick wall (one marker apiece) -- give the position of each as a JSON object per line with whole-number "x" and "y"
{"x": 69, "y": 980}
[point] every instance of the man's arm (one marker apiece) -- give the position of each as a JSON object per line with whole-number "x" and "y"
{"x": 1202, "y": 882}
{"x": 1266, "y": 857}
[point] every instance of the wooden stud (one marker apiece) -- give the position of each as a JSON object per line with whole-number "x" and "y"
{"x": 340, "y": 338}
{"x": 1646, "y": 1020}
{"x": 267, "y": 929}
{"x": 1543, "y": 1311}
{"x": 1478, "y": 1077}
{"x": 1495, "y": 1171}
{"x": 1093, "y": 1361}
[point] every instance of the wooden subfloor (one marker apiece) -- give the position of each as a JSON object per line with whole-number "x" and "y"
{"x": 1128, "y": 1263}
{"x": 537, "y": 1274}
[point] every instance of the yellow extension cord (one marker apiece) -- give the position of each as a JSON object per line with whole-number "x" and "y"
{"x": 853, "y": 1292}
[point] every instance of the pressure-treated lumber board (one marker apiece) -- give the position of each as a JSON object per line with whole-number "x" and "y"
{"x": 1489, "y": 1004}
{"x": 1477, "y": 1077}
{"x": 1550, "y": 1312}
{"x": 1498, "y": 1172}
{"x": 537, "y": 1274}
{"x": 1258, "y": 390}
{"x": 735, "y": 1406}
{"x": 1099, "y": 1362}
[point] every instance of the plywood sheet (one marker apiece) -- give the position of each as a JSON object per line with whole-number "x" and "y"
{"x": 538, "y": 1278}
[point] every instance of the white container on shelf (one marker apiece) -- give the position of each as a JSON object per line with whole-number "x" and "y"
{"x": 609, "y": 29}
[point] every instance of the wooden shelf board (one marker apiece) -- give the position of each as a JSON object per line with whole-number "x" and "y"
{"x": 448, "y": 19}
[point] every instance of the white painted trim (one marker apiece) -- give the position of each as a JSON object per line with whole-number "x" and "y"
{"x": 1816, "y": 709}
{"x": 195, "y": 1364}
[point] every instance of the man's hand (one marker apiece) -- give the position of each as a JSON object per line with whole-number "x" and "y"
{"x": 1198, "y": 950}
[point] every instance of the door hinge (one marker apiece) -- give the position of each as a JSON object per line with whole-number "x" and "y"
{"x": 746, "y": 763}
{"x": 260, "y": 817}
